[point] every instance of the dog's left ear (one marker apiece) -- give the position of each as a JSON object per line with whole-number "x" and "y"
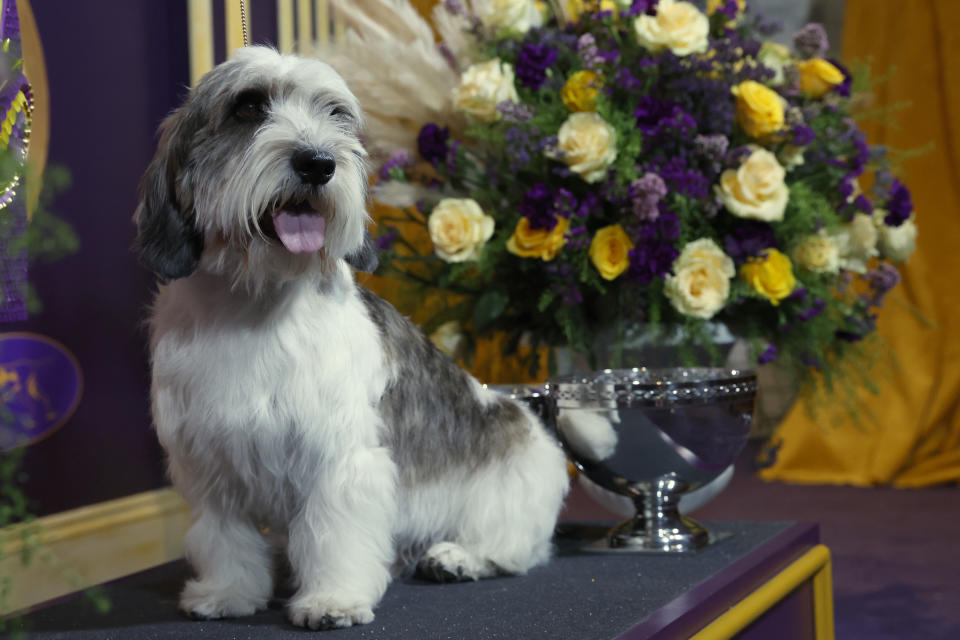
{"x": 365, "y": 258}
{"x": 168, "y": 240}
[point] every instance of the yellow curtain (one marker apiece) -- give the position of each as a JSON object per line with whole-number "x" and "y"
{"x": 913, "y": 437}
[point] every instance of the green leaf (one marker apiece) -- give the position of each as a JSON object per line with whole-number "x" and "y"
{"x": 489, "y": 307}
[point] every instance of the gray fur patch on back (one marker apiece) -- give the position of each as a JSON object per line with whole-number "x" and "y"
{"x": 433, "y": 420}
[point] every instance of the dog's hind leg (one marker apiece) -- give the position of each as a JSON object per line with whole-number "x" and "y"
{"x": 508, "y": 513}
{"x": 341, "y": 547}
{"x": 233, "y": 565}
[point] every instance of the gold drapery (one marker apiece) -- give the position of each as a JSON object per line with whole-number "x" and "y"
{"x": 913, "y": 438}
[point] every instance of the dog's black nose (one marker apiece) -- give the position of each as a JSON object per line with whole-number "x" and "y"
{"x": 315, "y": 167}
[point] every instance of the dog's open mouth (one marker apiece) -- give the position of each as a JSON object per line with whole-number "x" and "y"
{"x": 300, "y": 228}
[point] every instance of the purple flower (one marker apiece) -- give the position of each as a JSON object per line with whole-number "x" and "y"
{"x": 637, "y": 7}
{"x": 811, "y": 41}
{"x": 645, "y": 194}
{"x": 748, "y": 240}
{"x": 729, "y": 8}
{"x": 843, "y": 88}
{"x": 432, "y": 142}
{"x": 900, "y": 206}
{"x": 802, "y": 135}
{"x": 683, "y": 179}
{"x": 811, "y": 313}
{"x": 588, "y": 52}
{"x": 769, "y": 355}
{"x": 515, "y": 112}
{"x": 537, "y": 207}
{"x": 881, "y": 280}
{"x": 863, "y": 203}
{"x": 398, "y": 159}
{"x": 532, "y": 64}
{"x": 385, "y": 241}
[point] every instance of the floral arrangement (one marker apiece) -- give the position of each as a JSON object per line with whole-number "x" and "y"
{"x": 586, "y": 167}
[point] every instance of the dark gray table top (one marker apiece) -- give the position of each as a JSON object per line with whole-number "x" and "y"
{"x": 577, "y": 596}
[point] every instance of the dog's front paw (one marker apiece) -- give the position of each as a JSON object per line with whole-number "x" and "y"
{"x": 202, "y": 601}
{"x": 319, "y": 612}
{"x": 449, "y": 562}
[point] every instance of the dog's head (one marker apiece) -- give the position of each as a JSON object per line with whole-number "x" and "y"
{"x": 260, "y": 175}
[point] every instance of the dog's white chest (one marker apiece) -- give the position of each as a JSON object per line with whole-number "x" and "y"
{"x": 244, "y": 380}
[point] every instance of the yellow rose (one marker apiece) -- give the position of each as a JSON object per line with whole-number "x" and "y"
{"x": 512, "y": 16}
{"x": 609, "y": 251}
{"x": 770, "y": 275}
{"x": 817, "y": 253}
{"x": 587, "y": 144}
{"x": 459, "y": 228}
{"x": 678, "y": 26}
{"x": 817, "y": 77}
{"x": 700, "y": 284}
{"x": 580, "y": 91}
{"x": 756, "y": 189}
{"x": 538, "y": 243}
{"x": 759, "y": 109}
{"x": 576, "y": 8}
{"x": 482, "y": 87}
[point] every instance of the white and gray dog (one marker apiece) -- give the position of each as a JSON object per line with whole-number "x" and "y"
{"x": 288, "y": 397}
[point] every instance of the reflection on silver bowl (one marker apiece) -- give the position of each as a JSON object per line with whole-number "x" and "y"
{"x": 652, "y": 435}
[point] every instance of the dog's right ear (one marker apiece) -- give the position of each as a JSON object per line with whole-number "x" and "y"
{"x": 168, "y": 240}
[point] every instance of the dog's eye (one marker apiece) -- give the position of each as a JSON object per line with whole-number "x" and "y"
{"x": 339, "y": 112}
{"x": 250, "y": 106}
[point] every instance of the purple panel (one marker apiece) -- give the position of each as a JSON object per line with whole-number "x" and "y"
{"x": 790, "y": 619}
{"x": 698, "y": 607}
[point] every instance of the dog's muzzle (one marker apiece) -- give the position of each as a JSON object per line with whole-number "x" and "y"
{"x": 313, "y": 167}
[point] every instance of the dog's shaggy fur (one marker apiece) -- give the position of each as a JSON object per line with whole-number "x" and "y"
{"x": 288, "y": 397}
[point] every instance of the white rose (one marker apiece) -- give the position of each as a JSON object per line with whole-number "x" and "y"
{"x": 818, "y": 253}
{"x": 775, "y": 57}
{"x": 757, "y": 189}
{"x": 449, "y": 338}
{"x": 459, "y": 228}
{"x": 791, "y": 156}
{"x": 482, "y": 87}
{"x": 678, "y": 26}
{"x": 587, "y": 144}
{"x": 513, "y": 16}
{"x": 896, "y": 243}
{"x": 700, "y": 284}
{"x": 857, "y": 243}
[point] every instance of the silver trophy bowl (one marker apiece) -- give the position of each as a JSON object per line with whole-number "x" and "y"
{"x": 653, "y": 435}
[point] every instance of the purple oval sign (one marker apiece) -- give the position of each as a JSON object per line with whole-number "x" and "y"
{"x": 40, "y": 387}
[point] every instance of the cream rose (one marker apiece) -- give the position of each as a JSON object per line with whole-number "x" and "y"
{"x": 700, "y": 284}
{"x": 775, "y": 57}
{"x": 896, "y": 243}
{"x": 587, "y": 144}
{"x": 513, "y": 16}
{"x": 791, "y": 156}
{"x": 678, "y": 26}
{"x": 757, "y": 189}
{"x": 817, "y": 253}
{"x": 459, "y": 228}
{"x": 857, "y": 243}
{"x": 482, "y": 87}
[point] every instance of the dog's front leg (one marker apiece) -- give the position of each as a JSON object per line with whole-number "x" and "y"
{"x": 341, "y": 546}
{"x": 233, "y": 565}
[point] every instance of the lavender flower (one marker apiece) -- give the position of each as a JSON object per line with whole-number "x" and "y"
{"x": 748, "y": 240}
{"x": 537, "y": 207}
{"x": 588, "y": 52}
{"x": 802, "y": 135}
{"x": 515, "y": 112}
{"x": 881, "y": 281}
{"x": 811, "y": 41}
{"x": 432, "y": 142}
{"x": 769, "y": 355}
{"x": 532, "y": 64}
{"x": 645, "y": 194}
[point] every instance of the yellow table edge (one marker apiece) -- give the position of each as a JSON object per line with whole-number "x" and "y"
{"x": 814, "y": 564}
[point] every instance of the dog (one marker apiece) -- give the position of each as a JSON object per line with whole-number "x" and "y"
{"x": 288, "y": 397}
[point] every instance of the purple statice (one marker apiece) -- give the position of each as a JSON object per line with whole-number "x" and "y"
{"x": 811, "y": 41}
{"x": 577, "y": 237}
{"x": 802, "y": 135}
{"x": 748, "y": 240}
{"x": 564, "y": 282}
{"x": 711, "y": 150}
{"x": 844, "y": 87}
{"x": 645, "y": 194}
{"x": 654, "y": 252}
{"x": 847, "y": 187}
{"x": 565, "y": 204}
{"x": 385, "y": 241}
{"x": 797, "y": 295}
{"x": 650, "y": 112}
{"x": 881, "y": 281}
{"x": 432, "y": 142}
{"x": 399, "y": 159}
{"x": 736, "y": 156}
{"x": 537, "y": 207}
{"x": 858, "y": 327}
{"x": 813, "y": 311}
{"x": 768, "y": 355}
{"x": 515, "y": 112}
{"x": 684, "y": 179}
{"x": 730, "y": 8}
{"x": 638, "y": 7}
{"x": 863, "y": 203}
{"x": 588, "y": 51}
{"x": 899, "y": 206}
{"x": 532, "y": 64}
{"x": 626, "y": 80}
{"x": 520, "y": 141}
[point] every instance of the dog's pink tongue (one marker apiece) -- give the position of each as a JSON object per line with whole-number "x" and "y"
{"x": 301, "y": 233}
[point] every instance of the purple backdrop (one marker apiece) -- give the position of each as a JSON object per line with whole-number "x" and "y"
{"x": 115, "y": 69}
